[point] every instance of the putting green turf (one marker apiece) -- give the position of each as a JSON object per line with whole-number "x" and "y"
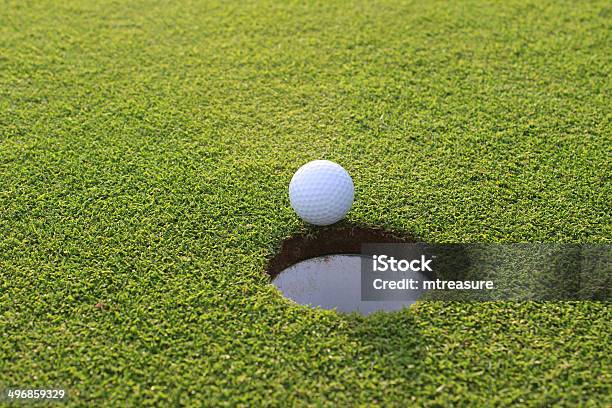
{"x": 145, "y": 154}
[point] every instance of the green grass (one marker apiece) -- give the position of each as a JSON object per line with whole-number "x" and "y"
{"x": 145, "y": 154}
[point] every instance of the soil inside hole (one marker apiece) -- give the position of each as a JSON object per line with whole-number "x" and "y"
{"x": 329, "y": 241}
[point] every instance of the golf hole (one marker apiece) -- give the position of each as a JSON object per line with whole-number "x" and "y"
{"x": 324, "y": 270}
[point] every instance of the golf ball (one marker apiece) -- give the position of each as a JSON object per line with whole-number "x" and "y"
{"x": 321, "y": 192}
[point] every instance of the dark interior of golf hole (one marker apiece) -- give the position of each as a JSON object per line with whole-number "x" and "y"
{"x": 322, "y": 269}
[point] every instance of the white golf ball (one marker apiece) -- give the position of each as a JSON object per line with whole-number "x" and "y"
{"x": 321, "y": 192}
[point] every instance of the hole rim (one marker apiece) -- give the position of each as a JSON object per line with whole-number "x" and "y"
{"x": 340, "y": 240}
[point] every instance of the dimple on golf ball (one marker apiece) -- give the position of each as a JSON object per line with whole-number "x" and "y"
{"x": 321, "y": 192}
